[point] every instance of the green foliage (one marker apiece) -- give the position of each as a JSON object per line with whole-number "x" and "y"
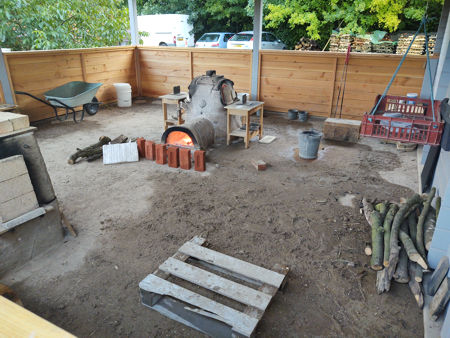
{"x": 50, "y": 24}
{"x": 316, "y": 18}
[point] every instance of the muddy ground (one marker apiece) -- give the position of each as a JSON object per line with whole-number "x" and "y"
{"x": 131, "y": 217}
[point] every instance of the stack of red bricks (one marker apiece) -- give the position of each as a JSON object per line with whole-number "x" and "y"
{"x": 175, "y": 157}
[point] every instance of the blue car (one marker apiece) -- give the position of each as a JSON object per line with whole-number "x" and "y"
{"x": 214, "y": 40}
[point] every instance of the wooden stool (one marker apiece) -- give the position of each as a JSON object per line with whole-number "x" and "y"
{"x": 173, "y": 99}
{"x": 245, "y": 111}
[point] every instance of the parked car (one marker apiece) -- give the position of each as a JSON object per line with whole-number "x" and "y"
{"x": 166, "y": 30}
{"x": 244, "y": 40}
{"x": 214, "y": 40}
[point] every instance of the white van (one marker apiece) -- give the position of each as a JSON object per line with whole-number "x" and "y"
{"x": 166, "y": 30}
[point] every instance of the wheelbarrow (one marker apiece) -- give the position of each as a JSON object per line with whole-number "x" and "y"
{"x": 70, "y": 95}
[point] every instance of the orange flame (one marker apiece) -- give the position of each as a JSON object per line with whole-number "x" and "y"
{"x": 179, "y": 138}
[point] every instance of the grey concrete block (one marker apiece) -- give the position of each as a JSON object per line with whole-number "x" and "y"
{"x": 25, "y": 144}
{"x": 30, "y": 239}
{"x": 11, "y": 167}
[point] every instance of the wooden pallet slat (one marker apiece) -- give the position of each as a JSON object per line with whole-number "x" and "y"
{"x": 203, "y": 313}
{"x": 241, "y": 322}
{"x": 220, "y": 285}
{"x": 238, "y": 266}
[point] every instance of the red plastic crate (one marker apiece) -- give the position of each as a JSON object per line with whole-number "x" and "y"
{"x": 415, "y": 126}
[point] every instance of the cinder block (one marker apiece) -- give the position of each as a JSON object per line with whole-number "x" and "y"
{"x": 161, "y": 153}
{"x": 15, "y": 187}
{"x": 18, "y": 206}
{"x": 185, "y": 158}
{"x": 150, "y": 150}
{"x": 199, "y": 160}
{"x": 141, "y": 146}
{"x": 172, "y": 157}
{"x": 19, "y": 121}
{"x": 11, "y": 167}
{"x": 341, "y": 130}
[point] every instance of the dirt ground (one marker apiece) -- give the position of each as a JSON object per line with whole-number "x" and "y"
{"x": 131, "y": 217}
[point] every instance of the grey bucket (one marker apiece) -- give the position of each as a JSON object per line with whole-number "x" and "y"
{"x": 292, "y": 114}
{"x": 308, "y": 141}
{"x": 302, "y": 116}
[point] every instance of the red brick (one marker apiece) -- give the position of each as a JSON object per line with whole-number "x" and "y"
{"x": 150, "y": 150}
{"x": 185, "y": 158}
{"x": 260, "y": 165}
{"x": 161, "y": 153}
{"x": 141, "y": 146}
{"x": 199, "y": 160}
{"x": 172, "y": 156}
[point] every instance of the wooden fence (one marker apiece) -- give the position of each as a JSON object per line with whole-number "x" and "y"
{"x": 38, "y": 71}
{"x": 288, "y": 79}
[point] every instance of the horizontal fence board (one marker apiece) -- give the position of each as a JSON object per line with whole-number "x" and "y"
{"x": 288, "y": 79}
{"x": 37, "y": 72}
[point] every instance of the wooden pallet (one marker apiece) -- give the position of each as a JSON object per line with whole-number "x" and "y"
{"x": 203, "y": 313}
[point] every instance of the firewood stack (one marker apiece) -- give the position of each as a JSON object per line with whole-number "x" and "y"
{"x": 334, "y": 43}
{"x": 401, "y": 235}
{"x": 386, "y": 47}
{"x": 344, "y": 41}
{"x": 431, "y": 43}
{"x": 361, "y": 45}
{"x": 307, "y": 44}
{"x": 417, "y": 48}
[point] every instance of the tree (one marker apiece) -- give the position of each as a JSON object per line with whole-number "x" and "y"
{"x": 50, "y": 24}
{"x": 317, "y": 18}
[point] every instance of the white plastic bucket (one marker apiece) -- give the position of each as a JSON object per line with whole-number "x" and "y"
{"x": 412, "y": 96}
{"x": 123, "y": 91}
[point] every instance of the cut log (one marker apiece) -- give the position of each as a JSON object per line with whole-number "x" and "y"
{"x": 376, "y": 262}
{"x": 401, "y": 272}
{"x": 368, "y": 249}
{"x": 368, "y": 209}
{"x": 91, "y": 150}
{"x": 438, "y": 206}
{"x": 418, "y": 273}
{"x": 412, "y": 227}
{"x": 438, "y": 276}
{"x": 421, "y": 221}
{"x": 394, "y": 248}
{"x": 411, "y": 250}
{"x": 414, "y": 286}
{"x": 387, "y": 232}
{"x": 440, "y": 300}
{"x": 117, "y": 140}
{"x": 382, "y": 208}
{"x": 429, "y": 227}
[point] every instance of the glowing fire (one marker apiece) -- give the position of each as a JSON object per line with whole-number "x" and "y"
{"x": 179, "y": 138}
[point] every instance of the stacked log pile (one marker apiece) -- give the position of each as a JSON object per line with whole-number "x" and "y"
{"x": 361, "y": 45}
{"x": 383, "y": 47}
{"x": 307, "y": 44}
{"x": 334, "y": 43}
{"x": 417, "y": 48}
{"x": 401, "y": 236}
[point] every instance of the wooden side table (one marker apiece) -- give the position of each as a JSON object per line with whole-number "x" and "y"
{"x": 245, "y": 111}
{"x": 173, "y": 99}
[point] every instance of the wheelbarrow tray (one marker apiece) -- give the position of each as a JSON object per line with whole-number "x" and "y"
{"x": 73, "y": 94}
